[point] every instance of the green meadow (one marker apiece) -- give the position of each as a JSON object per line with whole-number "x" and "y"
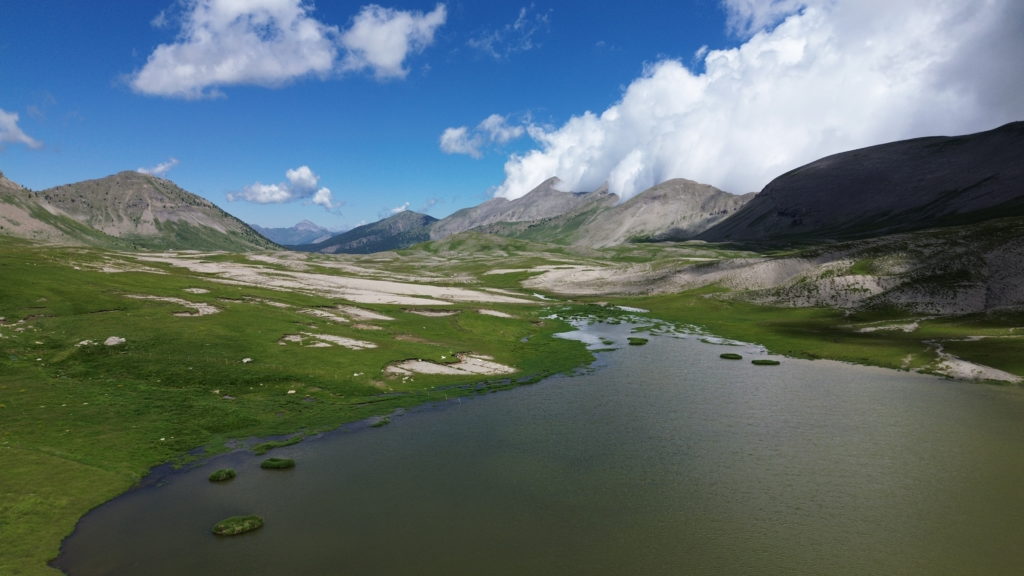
{"x": 81, "y": 422}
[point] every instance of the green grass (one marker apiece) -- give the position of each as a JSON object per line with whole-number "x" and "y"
{"x": 277, "y": 464}
{"x": 222, "y": 475}
{"x": 636, "y": 341}
{"x": 264, "y": 447}
{"x": 237, "y": 525}
{"x": 764, "y": 362}
{"x": 731, "y": 356}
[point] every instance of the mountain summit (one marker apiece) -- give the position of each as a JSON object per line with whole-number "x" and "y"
{"x": 129, "y": 209}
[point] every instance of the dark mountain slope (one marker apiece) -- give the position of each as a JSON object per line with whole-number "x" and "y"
{"x": 895, "y": 187}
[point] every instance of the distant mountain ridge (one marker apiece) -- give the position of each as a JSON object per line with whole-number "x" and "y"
{"x": 399, "y": 231}
{"x": 305, "y": 232}
{"x": 125, "y": 210}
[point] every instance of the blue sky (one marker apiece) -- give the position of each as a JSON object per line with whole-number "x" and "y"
{"x": 341, "y": 112}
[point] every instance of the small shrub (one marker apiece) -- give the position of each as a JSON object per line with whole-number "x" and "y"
{"x": 634, "y": 341}
{"x": 237, "y": 525}
{"x": 381, "y": 422}
{"x": 730, "y": 356}
{"x": 765, "y": 362}
{"x": 222, "y": 475}
{"x": 277, "y": 463}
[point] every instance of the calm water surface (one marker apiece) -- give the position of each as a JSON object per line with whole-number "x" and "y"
{"x": 664, "y": 459}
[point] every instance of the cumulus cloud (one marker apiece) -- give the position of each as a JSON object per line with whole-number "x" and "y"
{"x": 382, "y": 38}
{"x": 495, "y": 129}
{"x": 745, "y": 17}
{"x": 272, "y": 42}
{"x": 301, "y": 184}
{"x": 399, "y": 209}
{"x": 160, "y": 169}
{"x": 518, "y": 36}
{"x": 225, "y": 42}
{"x": 11, "y": 133}
{"x": 832, "y": 75}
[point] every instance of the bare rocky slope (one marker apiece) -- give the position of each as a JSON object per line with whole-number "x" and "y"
{"x": 543, "y": 202}
{"x": 673, "y": 210}
{"x": 129, "y": 209}
{"x": 894, "y": 187}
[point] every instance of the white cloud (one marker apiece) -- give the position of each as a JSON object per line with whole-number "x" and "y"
{"x": 302, "y": 184}
{"x": 302, "y": 178}
{"x": 399, "y": 209}
{"x": 382, "y": 38}
{"x": 494, "y": 129}
{"x": 160, "y": 169}
{"x": 519, "y": 36}
{"x": 11, "y": 133}
{"x": 837, "y": 75}
{"x": 226, "y": 42}
{"x": 460, "y": 141}
{"x": 745, "y": 17}
{"x": 272, "y": 42}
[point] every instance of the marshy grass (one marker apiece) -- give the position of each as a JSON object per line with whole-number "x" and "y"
{"x": 765, "y": 362}
{"x": 222, "y": 475}
{"x": 731, "y": 356}
{"x": 264, "y": 447}
{"x": 277, "y": 464}
{"x": 636, "y": 341}
{"x": 237, "y": 525}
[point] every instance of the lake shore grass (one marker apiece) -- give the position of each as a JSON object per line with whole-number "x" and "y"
{"x": 81, "y": 422}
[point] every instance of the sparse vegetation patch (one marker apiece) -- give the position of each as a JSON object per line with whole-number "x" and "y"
{"x": 237, "y": 525}
{"x": 222, "y": 475}
{"x": 277, "y": 464}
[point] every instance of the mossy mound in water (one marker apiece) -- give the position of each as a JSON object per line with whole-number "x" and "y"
{"x": 277, "y": 463}
{"x": 222, "y": 475}
{"x": 237, "y": 525}
{"x": 765, "y": 362}
{"x": 634, "y": 341}
{"x": 730, "y": 356}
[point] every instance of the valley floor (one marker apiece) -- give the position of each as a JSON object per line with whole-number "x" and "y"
{"x": 115, "y": 362}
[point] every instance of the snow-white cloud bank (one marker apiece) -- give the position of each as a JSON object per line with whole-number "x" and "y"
{"x": 301, "y": 184}
{"x": 272, "y": 42}
{"x": 11, "y": 133}
{"x": 823, "y": 77}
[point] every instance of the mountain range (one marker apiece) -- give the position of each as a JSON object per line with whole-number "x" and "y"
{"x": 304, "y": 232}
{"x": 884, "y": 189}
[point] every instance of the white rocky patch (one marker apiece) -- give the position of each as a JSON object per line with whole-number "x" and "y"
{"x": 495, "y": 313}
{"x": 468, "y": 364}
{"x": 324, "y": 341}
{"x": 201, "y": 308}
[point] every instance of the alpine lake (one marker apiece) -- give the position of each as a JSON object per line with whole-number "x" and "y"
{"x": 660, "y": 458}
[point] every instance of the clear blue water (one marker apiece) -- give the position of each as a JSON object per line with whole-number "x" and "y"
{"x": 661, "y": 459}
